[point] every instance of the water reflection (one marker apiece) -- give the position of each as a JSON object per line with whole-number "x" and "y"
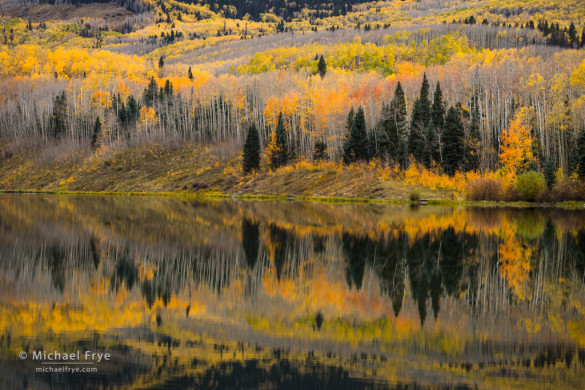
{"x": 264, "y": 294}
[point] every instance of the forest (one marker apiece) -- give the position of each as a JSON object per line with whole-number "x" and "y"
{"x": 482, "y": 99}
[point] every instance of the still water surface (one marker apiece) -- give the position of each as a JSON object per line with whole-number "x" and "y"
{"x": 230, "y": 294}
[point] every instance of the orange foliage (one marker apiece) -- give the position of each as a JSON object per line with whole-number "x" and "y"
{"x": 516, "y": 141}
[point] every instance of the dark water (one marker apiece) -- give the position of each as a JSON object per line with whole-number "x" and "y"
{"x": 225, "y": 294}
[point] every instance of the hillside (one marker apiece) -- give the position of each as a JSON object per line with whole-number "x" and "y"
{"x": 504, "y": 81}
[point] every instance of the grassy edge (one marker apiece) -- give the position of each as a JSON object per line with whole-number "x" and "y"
{"x": 322, "y": 199}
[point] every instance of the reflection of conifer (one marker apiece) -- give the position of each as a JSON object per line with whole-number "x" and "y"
{"x": 148, "y": 293}
{"x": 451, "y": 260}
{"x": 419, "y": 282}
{"x": 95, "y": 254}
{"x": 356, "y": 250}
{"x": 399, "y": 286}
{"x": 436, "y": 289}
{"x": 250, "y": 241}
{"x": 280, "y": 239}
{"x": 319, "y": 320}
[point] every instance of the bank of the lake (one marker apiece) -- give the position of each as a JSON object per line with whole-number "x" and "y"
{"x": 191, "y": 170}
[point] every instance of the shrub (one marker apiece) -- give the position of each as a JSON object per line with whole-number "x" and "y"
{"x": 530, "y": 186}
{"x": 566, "y": 189}
{"x": 414, "y": 196}
{"x": 484, "y": 188}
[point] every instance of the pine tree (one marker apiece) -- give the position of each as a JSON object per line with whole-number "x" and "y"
{"x": 97, "y": 134}
{"x": 251, "y": 150}
{"x": 58, "y": 121}
{"x": 581, "y": 154}
{"x": 190, "y": 74}
{"x": 473, "y": 141}
{"x": 416, "y": 139}
{"x": 322, "y": 66}
{"x": 357, "y": 146}
{"x": 132, "y": 110}
{"x": 432, "y": 146}
{"x": 280, "y": 154}
{"x": 398, "y": 114}
{"x": 452, "y": 137}
{"x": 161, "y": 62}
{"x": 549, "y": 173}
{"x": 425, "y": 102}
{"x": 387, "y": 135}
{"x": 438, "y": 117}
{"x": 320, "y": 152}
{"x": 150, "y": 93}
{"x": 347, "y": 139}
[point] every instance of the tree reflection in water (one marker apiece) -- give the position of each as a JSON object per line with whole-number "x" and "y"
{"x": 243, "y": 294}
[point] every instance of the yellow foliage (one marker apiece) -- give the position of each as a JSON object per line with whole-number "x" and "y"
{"x": 516, "y": 143}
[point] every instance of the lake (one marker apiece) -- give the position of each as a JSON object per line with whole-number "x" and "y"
{"x": 186, "y": 293}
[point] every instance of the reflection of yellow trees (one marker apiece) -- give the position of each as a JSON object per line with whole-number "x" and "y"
{"x": 514, "y": 261}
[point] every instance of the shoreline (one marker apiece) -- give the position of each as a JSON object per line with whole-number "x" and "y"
{"x": 292, "y": 198}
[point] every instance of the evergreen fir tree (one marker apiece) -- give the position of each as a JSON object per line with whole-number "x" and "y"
{"x": 280, "y": 155}
{"x": 150, "y": 93}
{"x": 549, "y": 173}
{"x": 432, "y": 151}
{"x": 251, "y": 150}
{"x": 387, "y": 135}
{"x": 425, "y": 102}
{"x": 190, "y": 74}
{"x": 418, "y": 129}
{"x": 322, "y": 66}
{"x": 320, "y": 152}
{"x": 398, "y": 114}
{"x": 132, "y": 110}
{"x": 438, "y": 117}
{"x": 161, "y": 62}
{"x": 581, "y": 154}
{"x": 357, "y": 146}
{"x": 97, "y": 134}
{"x": 347, "y": 158}
{"x": 453, "y": 147}
{"x": 58, "y": 121}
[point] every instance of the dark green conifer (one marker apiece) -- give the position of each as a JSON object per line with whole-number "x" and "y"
{"x": 417, "y": 135}
{"x": 438, "y": 117}
{"x": 322, "y": 67}
{"x": 581, "y": 154}
{"x": 251, "y": 150}
{"x": 425, "y": 102}
{"x": 453, "y": 146}
{"x": 320, "y": 152}
{"x": 398, "y": 114}
{"x": 97, "y": 134}
{"x": 280, "y": 155}
{"x": 58, "y": 121}
{"x": 549, "y": 173}
{"x": 357, "y": 148}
